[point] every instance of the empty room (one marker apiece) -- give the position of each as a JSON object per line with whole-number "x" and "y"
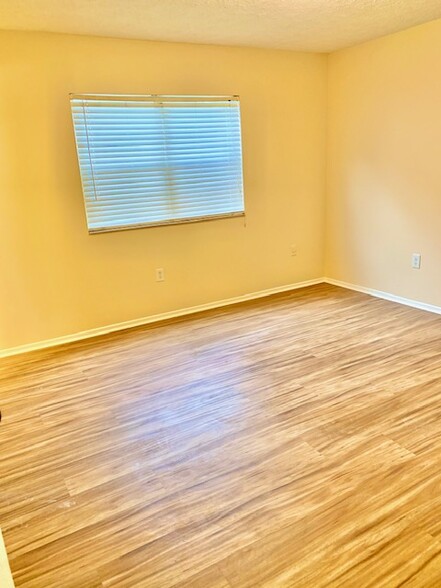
{"x": 220, "y": 294}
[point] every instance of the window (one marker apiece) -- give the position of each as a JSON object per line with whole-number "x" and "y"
{"x": 155, "y": 160}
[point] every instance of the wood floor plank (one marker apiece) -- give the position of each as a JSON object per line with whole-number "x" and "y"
{"x": 211, "y": 577}
{"x": 290, "y": 441}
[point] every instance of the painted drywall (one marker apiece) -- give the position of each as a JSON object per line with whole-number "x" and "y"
{"x": 56, "y": 279}
{"x": 384, "y": 172}
{"x": 6, "y": 580}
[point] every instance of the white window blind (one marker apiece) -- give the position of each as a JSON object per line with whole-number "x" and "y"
{"x": 153, "y": 160}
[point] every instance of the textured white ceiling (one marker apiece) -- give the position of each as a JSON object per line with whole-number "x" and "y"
{"x": 305, "y": 25}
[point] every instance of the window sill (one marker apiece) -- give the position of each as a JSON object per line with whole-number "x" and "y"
{"x": 182, "y": 221}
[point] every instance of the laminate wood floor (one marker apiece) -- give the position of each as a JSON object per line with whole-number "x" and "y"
{"x": 291, "y": 441}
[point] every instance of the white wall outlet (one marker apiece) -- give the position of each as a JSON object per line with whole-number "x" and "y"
{"x": 293, "y": 250}
{"x": 416, "y": 260}
{"x": 160, "y": 275}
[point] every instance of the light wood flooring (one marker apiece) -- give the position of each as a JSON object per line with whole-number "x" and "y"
{"x": 292, "y": 441}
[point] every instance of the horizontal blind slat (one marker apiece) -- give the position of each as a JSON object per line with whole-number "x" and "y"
{"x": 181, "y": 188}
{"x": 186, "y": 199}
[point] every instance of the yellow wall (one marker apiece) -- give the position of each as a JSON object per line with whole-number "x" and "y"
{"x": 384, "y": 164}
{"x": 55, "y": 278}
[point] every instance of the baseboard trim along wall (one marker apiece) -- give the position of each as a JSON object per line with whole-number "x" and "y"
{"x": 385, "y": 296}
{"x": 6, "y": 580}
{"x": 153, "y": 319}
{"x": 156, "y": 318}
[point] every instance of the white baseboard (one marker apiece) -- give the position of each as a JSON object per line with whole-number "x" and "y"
{"x": 6, "y": 580}
{"x": 385, "y": 296}
{"x": 209, "y": 306}
{"x": 153, "y": 319}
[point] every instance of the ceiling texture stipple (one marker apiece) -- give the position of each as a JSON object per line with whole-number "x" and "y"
{"x": 302, "y": 25}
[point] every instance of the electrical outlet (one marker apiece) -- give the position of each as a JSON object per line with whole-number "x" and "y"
{"x": 293, "y": 250}
{"x": 160, "y": 275}
{"x": 416, "y": 260}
